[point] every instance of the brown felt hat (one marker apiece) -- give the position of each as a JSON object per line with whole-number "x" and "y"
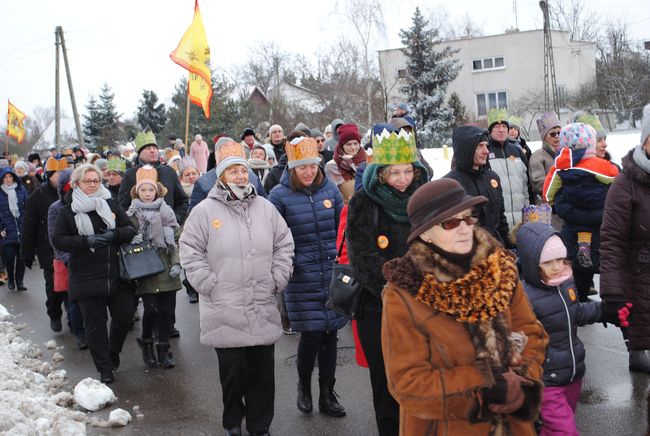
{"x": 435, "y": 202}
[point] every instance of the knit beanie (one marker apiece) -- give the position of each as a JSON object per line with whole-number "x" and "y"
{"x": 21, "y": 164}
{"x": 553, "y": 249}
{"x": 302, "y": 127}
{"x": 645, "y": 125}
{"x": 101, "y": 163}
{"x": 579, "y": 136}
{"x": 348, "y": 132}
{"x": 546, "y": 122}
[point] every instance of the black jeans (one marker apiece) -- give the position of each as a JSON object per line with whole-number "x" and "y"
{"x": 13, "y": 262}
{"x": 157, "y": 310}
{"x": 53, "y": 300}
{"x": 386, "y": 408}
{"x": 100, "y": 342}
{"x": 247, "y": 373}
{"x": 317, "y": 344}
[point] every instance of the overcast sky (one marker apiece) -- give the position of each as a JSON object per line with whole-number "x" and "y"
{"x": 127, "y": 43}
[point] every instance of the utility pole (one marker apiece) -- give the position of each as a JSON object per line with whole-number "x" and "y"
{"x": 549, "y": 64}
{"x": 75, "y": 113}
{"x": 514, "y": 8}
{"x": 57, "y": 99}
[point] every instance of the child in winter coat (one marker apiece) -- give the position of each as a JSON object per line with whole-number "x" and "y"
{"x": 584, "y": 179}
{"x": 155, "y": 221}
{"x": 12, "y": 210}
{"x": 547, "y": 279}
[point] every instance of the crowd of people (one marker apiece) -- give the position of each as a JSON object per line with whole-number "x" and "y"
{"x": 472, "y": 285}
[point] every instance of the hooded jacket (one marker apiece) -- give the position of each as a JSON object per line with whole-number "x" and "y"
{"x": 331, "y": 143}
{"x": 483, "y": 181}
{"x": 557, "y": 308}
{"x": 35, "y": 240}
{"x": 625, "y": 247}
{"x": 237, "y": 253}
{"x": 12, "y": 225}
{"x": 313, "y": 219}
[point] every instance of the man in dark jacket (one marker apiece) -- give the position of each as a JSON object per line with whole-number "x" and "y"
{"x": 471, "y": 153}
{"x": 147, "y": 149}
{"x": 35, "y": 240}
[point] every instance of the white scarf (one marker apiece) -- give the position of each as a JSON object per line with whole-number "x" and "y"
{"x": 10, "y": 190}
{"x": 82, "y": 204}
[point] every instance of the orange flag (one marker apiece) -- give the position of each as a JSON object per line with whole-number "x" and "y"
{"x": 15, "y": 127}
{"x": 193, "y": 54}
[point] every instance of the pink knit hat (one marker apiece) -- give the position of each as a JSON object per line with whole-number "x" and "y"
{"x": 553, "y": 249}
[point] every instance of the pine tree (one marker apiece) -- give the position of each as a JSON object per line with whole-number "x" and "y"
{"x": 92, "y": 123}
{"x": 151, "y": 114}
{"x": 109, "y": 119}
{"x": 428, "y": 74}
{"x": 458, "y": 110}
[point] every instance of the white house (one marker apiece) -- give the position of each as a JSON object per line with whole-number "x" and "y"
{"x": 499, "y": 70}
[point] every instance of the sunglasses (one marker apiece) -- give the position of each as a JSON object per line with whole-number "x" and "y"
{"x": 452, "y": 223}
{"x": 554, "y": 134}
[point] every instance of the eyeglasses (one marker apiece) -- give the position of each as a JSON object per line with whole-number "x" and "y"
{"x": 452, "y": 223}
{"x": 90, "y": 182}
{"x": 554, "y": 133}
{"x": 320, "y": 140}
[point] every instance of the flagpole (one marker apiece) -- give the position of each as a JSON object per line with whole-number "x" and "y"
{"x": 187, "y": 111}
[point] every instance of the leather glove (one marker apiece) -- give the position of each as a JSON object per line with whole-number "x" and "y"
{"x": 609, "y": 312}
{"x": 28, "y": 263}
{"x": 109, "y": 235}
{"x": 137, "y": 239}
{"x": 515, "y": 395}
{"x": 96, "y": 241}
{"x": 175, "y": 271}
{"x": 496, "y": 394}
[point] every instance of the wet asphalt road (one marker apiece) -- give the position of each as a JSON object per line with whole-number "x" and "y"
{"x": 186, "y": 400}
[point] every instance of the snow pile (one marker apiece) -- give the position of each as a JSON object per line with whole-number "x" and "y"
{"x": 119, "y": 418}
{"x": 93, "y": 395}
{"x": 30, "y": 397}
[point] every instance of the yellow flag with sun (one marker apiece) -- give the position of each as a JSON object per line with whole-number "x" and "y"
{"x": 193, "y": 54}
{"x": 15, "y": 127}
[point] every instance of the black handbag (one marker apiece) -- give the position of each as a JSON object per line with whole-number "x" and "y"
{"x": 139, "y": 261}
{"x": 346, "y": 293}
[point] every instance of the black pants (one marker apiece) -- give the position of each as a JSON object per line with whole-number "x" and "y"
{"x": 53, "y": 300}
{"x": 317, "y": 344}
{"x": 583, "y": 279}
{"x": 13, "y": 263}
{"x": 247, "y": 373}
{"x": 100, "y": 342}
{"x": 386, "y": 408}
{"x": 157, "y": 311}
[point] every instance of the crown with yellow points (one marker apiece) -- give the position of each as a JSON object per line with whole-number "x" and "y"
{"x": 394, "y": 148}
{"x": 541, "y": 213}
{"x": 302, "y": 151}
{"x": 54, "y": 164}
{"x": 142, "y": 139}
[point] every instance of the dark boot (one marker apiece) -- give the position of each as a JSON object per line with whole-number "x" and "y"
{"x": 304, "y": 396}
{"x": 327, "y": 401}
{"x": 235, "y": 431}
{"x": 165, "y": 357}
{"x": 639, "y": 361}
{"x": 148, "y": 356}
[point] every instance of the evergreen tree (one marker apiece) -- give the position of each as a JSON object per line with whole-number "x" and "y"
{"x": 92, "y": 123}
{"x": 110, "y": 132}
{"x": 459, "y": 112}
{"x": 428, "y": 74}
{"x": 151, "y": 114}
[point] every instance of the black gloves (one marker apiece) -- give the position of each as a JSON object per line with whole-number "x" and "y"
{"x": 609, "y": 312}
{"x": 109, "y": 235}
{"x": 96, "y": 241}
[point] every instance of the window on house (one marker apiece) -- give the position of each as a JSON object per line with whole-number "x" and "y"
{"x": 491, "y": 100}
{"x": 401, "y": 74}
{"x": 488, "y": 64}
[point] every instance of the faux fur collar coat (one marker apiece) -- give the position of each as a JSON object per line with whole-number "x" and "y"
{"x": 444, "y": 329}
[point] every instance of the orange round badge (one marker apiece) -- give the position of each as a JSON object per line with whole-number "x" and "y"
{"x": 572, "y": 294}
{"x": 216, "y": 224}
{"x": 382, "y": 242}
{"x": 327, "y": 204}
{"x": 494, "y": 183}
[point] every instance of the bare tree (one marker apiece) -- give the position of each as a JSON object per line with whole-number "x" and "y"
{"x": 575, "y": 17}
{"x": 449, "y": 27}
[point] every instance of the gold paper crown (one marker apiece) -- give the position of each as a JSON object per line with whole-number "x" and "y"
{"x": 146, "y": 173}
{"x": 54, "y": 164}
{"x": 394, "y": 148}
{"x": 231, "y": 149}
{"x": 305, "y": 149}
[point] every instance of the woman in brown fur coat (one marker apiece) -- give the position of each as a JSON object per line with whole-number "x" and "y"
{"x": 462, "y": 347}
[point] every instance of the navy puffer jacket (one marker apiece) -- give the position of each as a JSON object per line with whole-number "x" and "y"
{"x": 12, "y": 225}
{"x": 557, "y": 308}
{"x": 313, "y": 220}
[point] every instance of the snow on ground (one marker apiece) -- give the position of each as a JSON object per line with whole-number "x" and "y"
{"x": 32, "y": 399}
{"x": 618, "y": 144}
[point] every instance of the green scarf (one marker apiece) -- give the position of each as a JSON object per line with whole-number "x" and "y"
{"x": 393, "y": 201}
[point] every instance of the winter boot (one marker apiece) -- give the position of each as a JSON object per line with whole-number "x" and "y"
{"x": 148, "y": 356}
{"x": 165, "y": 357}
{"x": 304, "y": 396}
{"x": 584, "y": 250}
{"x": 235, "y": 431}
{"x": 639, "y": 361}
{"x": 327, "y": 401}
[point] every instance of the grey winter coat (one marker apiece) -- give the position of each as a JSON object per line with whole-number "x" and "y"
{"x": 237, "y": 255}
{"x": 510, "y": 164}
{"x": 540, "y": 164}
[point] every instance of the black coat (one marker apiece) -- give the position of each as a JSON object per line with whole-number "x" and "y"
{"x": 35, "y": 240}
{"x": 92, "y": 274}
{"x": 175, "y": 197}
{"x": 483, "y": 181}
{"x": 366, "y": 257}
{"x": 275, "y": 175}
